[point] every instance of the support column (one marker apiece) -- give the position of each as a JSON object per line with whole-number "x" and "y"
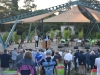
{"x": 42, "y": 29}
{"x": 32, "y": 33}
{"x": 98, "y": 27}
{"x": 2, "y": 42}
{"x": 29, "y": 32}
{"x": 11, "y": 32}
{"x": 90, "y": 30}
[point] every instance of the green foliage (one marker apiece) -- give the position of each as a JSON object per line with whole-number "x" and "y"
{"x": 52, "y": 32}
{"x": 32, "y": 36}
{"x": 97, "y": 35}
{"x": 81, "y": 34}
{"x": 66, "y": 34}
{"x": 15, "y": 37}
{"x": 23, "y": 36}
{"x": 29, "y": 4}
{"x": 5, "y": 35}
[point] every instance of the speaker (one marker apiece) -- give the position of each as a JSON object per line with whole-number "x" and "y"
{"x": 87, "y": 47}
{"x": 19, "y": 32}
{"x": 60, "y": 46}
{"x": 75, "y": 47}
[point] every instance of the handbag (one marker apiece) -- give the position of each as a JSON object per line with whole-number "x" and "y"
{"x": 25, "y": 72}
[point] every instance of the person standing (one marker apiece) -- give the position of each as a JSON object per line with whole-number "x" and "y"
{"x": 87, "y": 56}
{"x": 97, "y": 63}
{"x": 46, "y": 38}
{"x": 38, "y": 59}
{"x": 67, "y": 62}
{"x": 14, "y": 57}
{"x": 82, "y": 63}
{"x": 26, "y": 66}
{"x": 76, "y": 61}
{"x": 36, "y": 38}
{"x": 48, "y": 64}
{"x": 20, "y": 56}
{"x": 5, "y": 59}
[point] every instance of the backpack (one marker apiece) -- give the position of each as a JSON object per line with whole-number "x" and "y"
{"x": 48, "y": 66}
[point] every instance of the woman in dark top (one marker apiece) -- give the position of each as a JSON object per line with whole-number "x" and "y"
{"x": 26, "y": 66}
{"x": 57, "y": 57}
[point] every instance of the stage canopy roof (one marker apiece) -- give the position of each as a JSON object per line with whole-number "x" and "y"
{"x": 33, "y": 19}
{"x": 72, "y": 15}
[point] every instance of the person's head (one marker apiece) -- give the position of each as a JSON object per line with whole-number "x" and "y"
{"x": 15, "y": 48}
{"x": 21, "y": 51}
{"x": 56, "y": 53}
{"x": 49, "y": 53}
{"x": 77, "y": 50}
{"x": 28, "y": 54}
{"x": 81, "y": 52}
{"x": 92, "y": 52}
{"x": 70, "y": 51}
{"x": 87, "y": 50}
{"x": 46, "y": 34}
{"x": 37, "y": 51}
{"x": 5, "y": 51}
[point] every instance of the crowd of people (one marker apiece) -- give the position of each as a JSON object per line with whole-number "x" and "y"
{"x": 44, "y": 62}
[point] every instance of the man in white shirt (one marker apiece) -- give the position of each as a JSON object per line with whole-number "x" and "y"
{"x": 36, "y": 40}
{"x": 67, "y": 62}
{"x": 60, "y": 52}
{"x": 97, "y": 63}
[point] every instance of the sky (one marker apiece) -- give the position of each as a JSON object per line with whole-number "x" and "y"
{"x": 42, "y": 4}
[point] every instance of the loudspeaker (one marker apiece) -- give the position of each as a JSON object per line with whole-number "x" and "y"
{"x": 19, "y": 32}
{"x": 87, "y": 47}
{"x": 75, "y": 47}
{"x": 60, "y": 46}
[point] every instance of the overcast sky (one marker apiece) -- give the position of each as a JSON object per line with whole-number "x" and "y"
{"x": 42, "y": 4}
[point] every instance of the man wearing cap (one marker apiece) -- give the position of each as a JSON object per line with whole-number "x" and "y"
{"x": 48, "y": 58}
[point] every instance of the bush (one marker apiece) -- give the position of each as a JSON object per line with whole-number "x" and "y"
{"x": 81, "y": 34}
{"x": 98, "y": 35}
{"x": 52, "y": 33}
{"x": 66, "y": 34}
{"x": 15, "y": 37}
{"x": 5, "y": 36}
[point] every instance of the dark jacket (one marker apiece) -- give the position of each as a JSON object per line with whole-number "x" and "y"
{"x": 81, "y": 59}
{"x": 19, "y": 57}
{"x": 87, "y": 56}
{"x": 92, "y": 59}
{"x": 27, "y": 62}
{"x": 76, "y": 56}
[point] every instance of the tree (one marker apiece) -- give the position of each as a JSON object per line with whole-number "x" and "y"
{"x": 29, "y": 4}
{"x": 81, "y": 34}
{"x": 15, "y": 37}
{"x": 52, "y": 33}
{"x": 66, "y": 34}
{"x": 97, "y": 35}
{"x": 5, "y": 35}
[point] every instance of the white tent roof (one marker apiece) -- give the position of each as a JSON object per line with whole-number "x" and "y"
{"x": 73, "y": 15}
